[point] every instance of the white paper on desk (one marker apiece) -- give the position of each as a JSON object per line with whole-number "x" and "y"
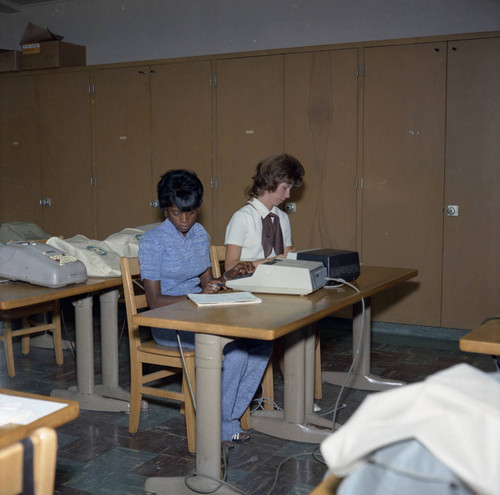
{"x": 224, "y": 298}
{"x": 23, "y": 411}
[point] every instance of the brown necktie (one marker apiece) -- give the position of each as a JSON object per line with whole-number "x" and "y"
{"x": 272, "y": 237}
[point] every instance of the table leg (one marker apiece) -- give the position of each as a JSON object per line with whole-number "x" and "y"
{"x": 208, "y": 426}
{"x": 84, "y": 392}
{"x": 109, "y": 348}
{"x": 360, "y": 377}
{"x": 297, "y": 422}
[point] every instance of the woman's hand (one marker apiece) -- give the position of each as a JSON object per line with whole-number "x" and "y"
{"x": 213, "y": 286}
{"x": 240, "y": 268}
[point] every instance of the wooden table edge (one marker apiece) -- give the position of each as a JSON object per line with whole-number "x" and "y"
{"x": 9, "y": 435}
{"x": 92, "y": 284}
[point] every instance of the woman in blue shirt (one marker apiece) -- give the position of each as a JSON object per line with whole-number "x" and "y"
{"x": 175, "y": 261}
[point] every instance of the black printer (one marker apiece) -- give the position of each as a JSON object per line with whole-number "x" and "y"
{"x": 338, "y": 262}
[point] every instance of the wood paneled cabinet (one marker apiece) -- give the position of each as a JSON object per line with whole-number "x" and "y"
{"x": 181, "y": 119}
{"x": 122, "y": 172}
{"x": 321, "y": 130}
{"x": 471, "y": 243}
{"x": 430, "y": 167}
{"x": 399, "y": 141}
{"x": 404, "y": 101}
{"x": 148, "y": 120}
{"x": 249, "y": 126}
{"x": 65, "y": 153}
{"x": 20, "y": 168}
{"x": 46, "y": 152}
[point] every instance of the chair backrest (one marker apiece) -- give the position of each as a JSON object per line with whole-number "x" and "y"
{"x": 44, "y": 442}
{"x": 131, "y": 270}
{"x": 217, "y": 255}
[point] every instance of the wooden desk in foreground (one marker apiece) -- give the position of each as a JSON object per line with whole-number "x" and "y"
{"x": 485, "y": 339}
{"x": 12, "y": 432}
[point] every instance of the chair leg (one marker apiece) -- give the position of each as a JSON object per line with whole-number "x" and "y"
{"x": 135, "y": 397}
{"x": 56, "y": 333}
{"x": 26, "y": 339}
{"x": 190, "y": 414}
{"x": 9, "y": 351}
{"x": 245, "y": 419}
{"x": 268, "y": 385}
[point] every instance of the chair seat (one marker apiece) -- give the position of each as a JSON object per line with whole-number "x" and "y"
{"x": 152, "y": 347}
{"x": 18, "y": 313}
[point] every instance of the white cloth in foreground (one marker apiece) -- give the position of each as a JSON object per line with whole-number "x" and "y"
{"x": 455, "y": 414}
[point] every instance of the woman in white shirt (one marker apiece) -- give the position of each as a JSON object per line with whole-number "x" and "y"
{"x": 260, "y": 231}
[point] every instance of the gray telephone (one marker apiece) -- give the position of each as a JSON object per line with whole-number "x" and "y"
{"x": 40, "y": 264}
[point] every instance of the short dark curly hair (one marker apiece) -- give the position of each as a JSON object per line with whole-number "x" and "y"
{"x": 181, "y": 188}
{"x": 273, "y": 171}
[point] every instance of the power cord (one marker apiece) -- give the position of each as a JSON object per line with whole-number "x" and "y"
{"x": 340, "y": 283}
{"x": 313, "y": 454}
{"x": 220, "y": 482}
{"x": 254, "y": 458}
{"x": 66, "y": 331}
{"x": 191, "y": 392}
{"x": 260, "y": 402}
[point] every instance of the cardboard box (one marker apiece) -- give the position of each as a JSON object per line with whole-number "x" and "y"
{"x": 42, "y": 49}
{"x": 10, "y": 60}
{"x": 49, "y": 54}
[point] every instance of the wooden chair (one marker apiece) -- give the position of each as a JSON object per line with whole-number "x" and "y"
{"x": 328, "y": 486}
{"x": 218, "y": 255}
{"x": 12, "y": 464}
{"x": 30, "y": 326}
{"x": 149, "y": 352}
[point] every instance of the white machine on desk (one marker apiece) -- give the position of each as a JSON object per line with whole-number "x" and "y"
{"x": 283, "y": 276}
{"x": 40, "y": 264}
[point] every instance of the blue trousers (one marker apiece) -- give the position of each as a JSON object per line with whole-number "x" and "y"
{"x": 243, "y": 366}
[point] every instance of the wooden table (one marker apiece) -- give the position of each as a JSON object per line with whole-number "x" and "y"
{"x": 12, "y": 433}
{"x": 105, "y": 397}
{"x": 485, "y": 339}
{"x": 277, "y": 316}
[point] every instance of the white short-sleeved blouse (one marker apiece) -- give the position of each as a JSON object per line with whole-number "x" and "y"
{"x": 245, "y": 229}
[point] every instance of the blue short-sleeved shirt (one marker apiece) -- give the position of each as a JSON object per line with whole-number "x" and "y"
{"x": 176, "y": 261}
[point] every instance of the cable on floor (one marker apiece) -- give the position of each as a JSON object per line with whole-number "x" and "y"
{"x": 66, "y": 332}
{"x": 341, "y": 282}
{"x": 259, "y": 403}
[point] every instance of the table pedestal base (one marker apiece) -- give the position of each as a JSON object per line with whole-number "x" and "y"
{"x": 92, "y": 401}
{"x": 177, "y": 486}
{"x": 360, "y": 376}
{"x": 45, "y": 341}
{"x": 108, "y": 397}
{"x": 360, "y": 382}
{"x": 314, "y": 428}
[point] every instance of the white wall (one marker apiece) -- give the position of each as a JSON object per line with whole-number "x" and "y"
{"x": 127, "y": 30}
